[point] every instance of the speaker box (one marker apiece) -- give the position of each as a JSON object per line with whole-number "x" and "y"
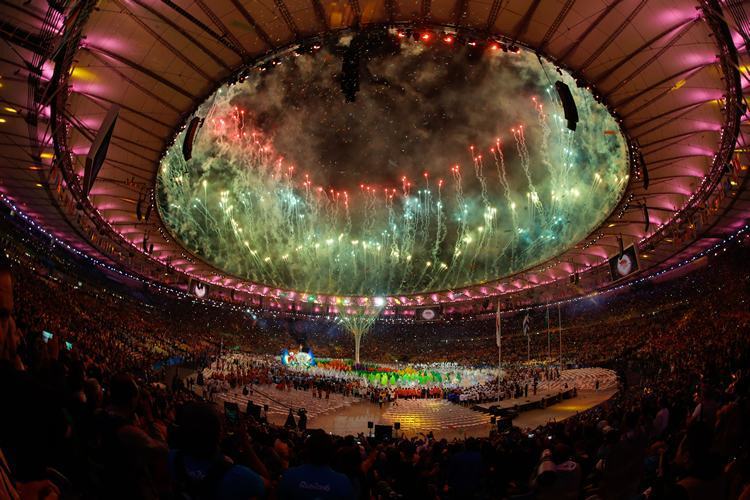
{"x": 383, "y": 432}
{"x": 568, "y": 104}
{"x": 253, "y": 410}
{"x": 187, "y": 144}
{"x": 504, "y": 424}
{"x": 98, "y": 151}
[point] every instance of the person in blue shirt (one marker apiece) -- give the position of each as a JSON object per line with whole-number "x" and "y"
{"x": 198, "y": 468}
{"x": 315, "y": 479}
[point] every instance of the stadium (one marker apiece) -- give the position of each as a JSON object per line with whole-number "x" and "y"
{"x": 318, "y": 249}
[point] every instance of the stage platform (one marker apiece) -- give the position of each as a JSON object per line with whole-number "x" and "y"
{"x": 343, "y": 415}
{"x": 560, "y": 411}
{"x": 447, "y": 420}
{"x": 555, "y": 400}
{"x": 553, "y": 391}
{"x": 538, "y": 400}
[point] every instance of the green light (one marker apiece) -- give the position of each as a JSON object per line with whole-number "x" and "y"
{"x": 523, "y": 202}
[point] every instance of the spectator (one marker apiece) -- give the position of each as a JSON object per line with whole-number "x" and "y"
{"x": 199, "y": 469}
{"x": 315, "y": 479}
{"x": 133, "y": 460}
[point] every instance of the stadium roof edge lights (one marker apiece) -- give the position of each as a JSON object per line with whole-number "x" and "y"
{"x": 679, "y": 104}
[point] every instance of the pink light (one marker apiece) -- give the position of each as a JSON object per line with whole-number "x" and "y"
{"x": 696, "y": 57}
{"x": 107, "y": 42}
{"x": 707, "y": 126}
{"x": 673, "y": 16}
{"x": 48, "y": 70}
{"x": 696, "y": 95}
{"x": 739, "y": 42}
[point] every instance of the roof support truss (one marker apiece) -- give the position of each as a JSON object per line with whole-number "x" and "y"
{"x": 686, "y": 72}
{"x": 556, "y": 24}
{"x": 320, "y": 14}
{"x": 141, "y": 69}
{"x": 426, "y": 9}
{"x": 166, "y": 20}
{"x": 611, "y": 38}
{"x": 253, "y": 24}
{"x": 497, "y": 6}
{"x": 287, "y": 17}
{"x": 222, "y": 27}
{"x": 460, "y": 12}
{"x": 652, "y": 59}
{"x": 604, "y": 13}
{"x": 177, "y": 53}
{"x": 187, "y": 15}
{"x": 523, "y": 23}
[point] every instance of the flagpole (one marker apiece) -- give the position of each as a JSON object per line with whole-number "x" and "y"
{"x": 528, "y": 338}
{"x": 549, "y": 344}
{"x": 499, "y": 339}
{"x": 559, "y": 326}
{"x": 528, "y": 348}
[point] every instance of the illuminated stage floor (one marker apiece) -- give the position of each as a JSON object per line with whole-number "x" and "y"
{"x": 349, "y": 415}
{"x": 586, "y": 399}
{"x": 444, "y": 419}
{"x": 341, "y": 415}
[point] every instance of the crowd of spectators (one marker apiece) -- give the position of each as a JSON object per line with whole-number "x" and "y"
{"x": 456, "y": 383}
{"x": 97, "y": 419}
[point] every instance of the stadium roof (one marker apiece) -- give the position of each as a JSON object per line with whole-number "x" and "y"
{"x": 673, "y": 71}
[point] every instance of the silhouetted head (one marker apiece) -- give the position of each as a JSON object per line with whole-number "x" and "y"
{"x": 200, "y": 429}
{"x": 123, "y": 392}
{"x": 319, "y": 448}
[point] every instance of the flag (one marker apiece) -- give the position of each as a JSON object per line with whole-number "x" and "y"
{"x": 526, "y": 324}
{"x": 498, "y": 334}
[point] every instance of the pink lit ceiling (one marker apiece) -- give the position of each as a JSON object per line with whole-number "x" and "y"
{"x": 664, "y": 66}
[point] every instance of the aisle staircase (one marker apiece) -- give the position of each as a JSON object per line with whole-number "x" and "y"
{"x": 582, "y": 379}
{"x": 279, "y": 402}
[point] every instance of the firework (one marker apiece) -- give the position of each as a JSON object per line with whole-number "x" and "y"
{"x": 265, "y": 212}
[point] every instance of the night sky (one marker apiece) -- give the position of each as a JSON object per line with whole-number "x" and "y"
{"x": 416, "y": 111}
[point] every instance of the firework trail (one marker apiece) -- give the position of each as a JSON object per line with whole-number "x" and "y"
{"x": 277, "y": 226}
{"x": 497, "y": 152}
